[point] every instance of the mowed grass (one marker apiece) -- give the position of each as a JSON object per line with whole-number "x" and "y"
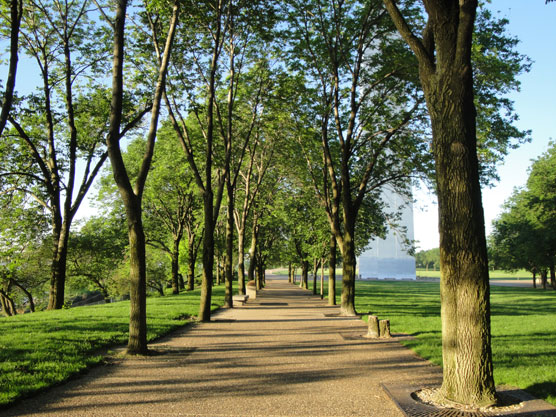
{"x": 496, "y": 274}
{"x": 523, "y": 328}
{"x": 43, "y": 349}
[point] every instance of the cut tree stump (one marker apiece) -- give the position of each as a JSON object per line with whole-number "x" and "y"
{"x": 374, "y": 331}
{"x": 384, "y": 329}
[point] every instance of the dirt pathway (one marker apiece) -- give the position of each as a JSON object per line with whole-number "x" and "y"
{"x": 284, "y": 354}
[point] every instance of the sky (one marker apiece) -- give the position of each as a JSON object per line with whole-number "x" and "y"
{"x": 534, "y": 24}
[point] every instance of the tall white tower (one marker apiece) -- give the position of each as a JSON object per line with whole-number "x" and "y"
{"x": 388, "y": 258}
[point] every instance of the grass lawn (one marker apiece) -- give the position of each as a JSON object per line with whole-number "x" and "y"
{"x": 523, "y": 328}
{"x": 496, "y": 274}
{"x": 45, "y": 348}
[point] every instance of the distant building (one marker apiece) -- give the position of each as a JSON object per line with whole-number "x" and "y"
{"x": 387, "y": 258}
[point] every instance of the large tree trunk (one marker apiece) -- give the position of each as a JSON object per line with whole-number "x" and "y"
{"x": 290, "y": 271}
{"x": 332, "y": 272}
{"x": 446, "y": 74}
{"x": 208, "y": 256}
{"x": 534, "y": 278}
{"x": 229, "y": 273}
{"x": 137, "y": 343}
{"x": 465, "y": 293}
{"x": 56, "y": 293}
{"x": 347, "y": 307}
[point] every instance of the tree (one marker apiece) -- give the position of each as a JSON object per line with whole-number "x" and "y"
{"x": 446, "y": 74}
{"x": 62, "y": 123}
{"x": 366, "y": 107}
{"x": 132, "y": 195}
{"x": 96, "y": 251}
{"x": 523, "y": 234}
{"x": 16, "y": 12}
{"x": 24, "y": 257}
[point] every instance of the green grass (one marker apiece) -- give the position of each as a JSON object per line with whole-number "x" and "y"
{"x": 43, "y": 349}
{"x": 496, "y": 274}
{"x": 523, "y": 328}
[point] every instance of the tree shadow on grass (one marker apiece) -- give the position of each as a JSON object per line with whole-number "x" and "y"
{"x": 543, "y": 390}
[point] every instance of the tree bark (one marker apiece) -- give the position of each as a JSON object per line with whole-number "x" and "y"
{"x": 534, "y": 279}
{"x": 8, "y": 305}
{"x": 347, "y": 307}
{"x": 132, "y": 196}
{"x": 176, "y": 266}
{"x": 229, "y": 273}
{"x": 290, "y": 270}
{"x": 543, "y": 278}
{"x": 322, "y": 278}
{"x": 315, "y": 271}
{"x": 16, "y": 11}
{"x": 332, "y": 272}
{"x": 552, "y": 274}
{"x": 304, "y": 283}
{"x": 241, "y": 261}
{"x": 445, "y": 70}
{"x": 208, "y": 253}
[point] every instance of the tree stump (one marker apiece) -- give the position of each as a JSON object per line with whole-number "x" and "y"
{"x": 384, "y": 329}
{"x": 374, "y": 331}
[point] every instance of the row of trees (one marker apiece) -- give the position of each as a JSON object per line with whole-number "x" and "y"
{"x": 523, "y": 235}
{"x": 280, "y": 123}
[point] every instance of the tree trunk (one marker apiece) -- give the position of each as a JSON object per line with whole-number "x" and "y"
{"x": 8, "y": 305}
{"x": 446, "y": 74}
{"x": 534, "y": 279}
{"x": 176, "y": 266}
{"x": 208, "y": 258}
{"x": 137, "y": 343}
{"x": 304, "y": 283}
{"x": 322, "y": 278}
{"x": 332, "y": 272}
{"x": 290, "y": 270}
{"x": 552, "y": 274}
{"x": 315, "y": 271}
{"x": 294, "y": 272}
{"x": 58, "y": 267}
{"x": 181, "y": 282}
{"x": 348, "y": 279}
{"x": 241, "y": 261}
{"x": 191, "y": 273}
{"x": 260, "y": 276}
{"x": 191, "y": 261}
{"x": 29, "y": 296}
{"x": 543, "y": 278}
{"x": 16, "y": 12}
{"x": 252, "y": 250}
{"x": 229, "y": 274}
{"x": 465, "y": 292}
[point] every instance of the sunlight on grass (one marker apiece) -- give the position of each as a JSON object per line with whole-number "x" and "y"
{"x": 43, "y": 349}
{"x": 523, "y": 328}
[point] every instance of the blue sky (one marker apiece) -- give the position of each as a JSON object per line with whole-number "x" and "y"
{"x": 534, "y": 23}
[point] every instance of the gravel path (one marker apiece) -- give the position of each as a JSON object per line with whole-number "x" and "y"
{"x": 284, "y": 354}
